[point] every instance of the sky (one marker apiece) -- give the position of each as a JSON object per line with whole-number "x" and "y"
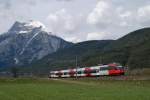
{"x": 79, "y": 20}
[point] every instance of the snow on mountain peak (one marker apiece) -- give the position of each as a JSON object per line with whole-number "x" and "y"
{"x": 33, "y": 23}
{"x": 27, "y": 27}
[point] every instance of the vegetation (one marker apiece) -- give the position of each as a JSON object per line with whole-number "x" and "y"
{"x": 40, "y": 89}
{"x": 14, "y": 71}
{"x": 132, "y": 50}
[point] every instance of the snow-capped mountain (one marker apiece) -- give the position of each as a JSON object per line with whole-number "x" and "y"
{"x": 20, "y": 28}
{"x": 26, "y": 42}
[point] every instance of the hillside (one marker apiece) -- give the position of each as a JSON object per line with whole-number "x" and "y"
{"x": 132, "y": 50}
{"x": 66, "y": 58}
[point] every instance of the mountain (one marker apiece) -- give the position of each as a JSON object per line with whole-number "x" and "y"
{"x": 132, "y": 50}
{"x": 66, "y": 58}
{"x": 26, "y": 42}
{"x": 29, "y": 46}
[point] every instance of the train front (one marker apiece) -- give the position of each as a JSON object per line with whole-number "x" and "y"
{"x": 116, "y": 69}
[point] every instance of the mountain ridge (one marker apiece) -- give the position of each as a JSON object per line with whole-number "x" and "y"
{"x": 34, "y": 49}
{"x": 132, "y": 50}
{"x": 26, "y": 42}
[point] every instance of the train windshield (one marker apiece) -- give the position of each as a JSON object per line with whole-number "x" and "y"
{"x": 111, "y": 68}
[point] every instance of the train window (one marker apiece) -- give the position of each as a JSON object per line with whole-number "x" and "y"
{"x": 119, "y": 68}
{"x": 93, "y": 71}
{"x": 65, "y": 73}
{"x": 90, "y": 71}
{"x": 59, "y": 73}
{"x": 79, "y": 72}
{"x": 72, "y": 72}
{"x": 111, "y": 68}
{"x": 103, "y": 68}
{"x": 87, "y": 71}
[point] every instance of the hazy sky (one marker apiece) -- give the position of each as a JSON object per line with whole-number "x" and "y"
{"x": 79, "y": 20}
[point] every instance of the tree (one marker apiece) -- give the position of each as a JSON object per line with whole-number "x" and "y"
{"x": 14, "y": 71}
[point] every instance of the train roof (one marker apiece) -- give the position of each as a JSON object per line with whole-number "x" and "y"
{"x": 93, "y": 67}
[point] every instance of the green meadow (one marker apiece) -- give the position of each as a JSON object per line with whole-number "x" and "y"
{"x": 68, "y": 89}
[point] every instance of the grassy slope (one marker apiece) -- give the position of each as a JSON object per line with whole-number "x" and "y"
{"x": 132, "y": 50}
{"x": 29, "y": 89}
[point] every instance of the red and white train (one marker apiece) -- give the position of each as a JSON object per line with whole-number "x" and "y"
{"x": 110, "y": 69}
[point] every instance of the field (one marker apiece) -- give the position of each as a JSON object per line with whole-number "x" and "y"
{"x": 68, "y": 89}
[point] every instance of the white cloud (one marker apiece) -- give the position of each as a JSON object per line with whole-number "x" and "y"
{"x": 61, "y": 21}
{"x": 143, "y": 14}
{"x": 68, "y": 26}
{"x": 100, "y": 14}
{"x": 125, "y": 14}
{"x": 118, "y": 17}
{"x": 78, "y": 20}
{"x": 106, "y": 15}
{"x": 96, "y": 36}
{"x": 73, "y": 39}
{"x": 144, "y": 11}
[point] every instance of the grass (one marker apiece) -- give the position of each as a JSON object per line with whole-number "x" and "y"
{"x": 43, "y": 89}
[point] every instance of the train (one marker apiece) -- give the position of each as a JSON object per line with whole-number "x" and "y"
{"x": 94, "y": 71}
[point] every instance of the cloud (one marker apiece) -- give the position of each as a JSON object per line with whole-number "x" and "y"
{"x": 77, "y": 20}
{"x": 64, "y": 0}
{"x": 99, "y": 14}
{"x": 97, "y": 36}
{"x": 143, "y": 14}
{"x": 73, "y": 39}
{"x": 106, "y": 14}
{"x": 6, "y": 4}
{"x": 61, "y": 21}
{"x": 118, "y": 17}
